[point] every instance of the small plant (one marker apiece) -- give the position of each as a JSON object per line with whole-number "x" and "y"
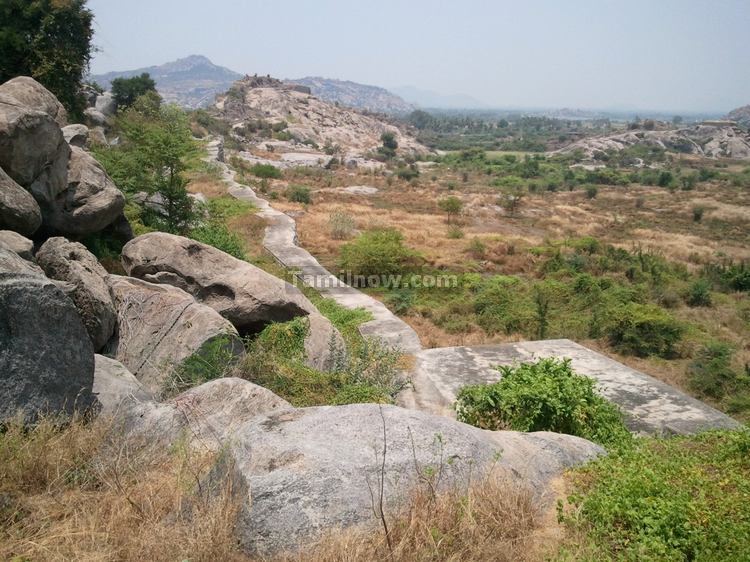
{"x": 711, "y": 373}
{"x": 342, "y": 225}
{"x": 299, "y": 194}
{"x": 591, "y": 191}
{"x": 698, "y": 213}
{"x": 455, "y": 232}
{"x": 212, "y": 361}
{"x": 543, "y": 396}
{"x": 476, "y": 248}
{"x": 378, "y": 252}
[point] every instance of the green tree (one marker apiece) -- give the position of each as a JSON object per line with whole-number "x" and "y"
{"x": 451, "y": 205}
{"x": 127, "y": 90}
{"x": 388, "y": 150}
{"x": 49, "y": 40}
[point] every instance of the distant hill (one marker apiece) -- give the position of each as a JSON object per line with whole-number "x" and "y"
{"x": 741, "y": 115}
{"x": 428, "y": 98}
{"x": 358, "y": 96}
{"x": 191, "y": 81}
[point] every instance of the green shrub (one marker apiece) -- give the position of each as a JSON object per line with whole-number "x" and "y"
{"x": 543, "y": 396}
{"x": 476, "y": 248}
{"x": 267, "y": 171}
{"x": 298, "y": 194}
{"x": 215, "y": 359}
{"x": 643, "y": 330}
{"x": 711, "y": 373}
{"x": 699, "y": 293}
{"x": 378, "y": 252}
{"x": 698, "y": 213}
{"x": 455, "y": 232}
{"x": 591, "y": 191}
{"x": 676, "y": 499}
{"x": 219, "y": 236}
{"x": 407, "y": 173}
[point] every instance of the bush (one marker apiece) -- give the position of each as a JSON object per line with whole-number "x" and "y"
{"x": 378, "y": 252}
{"x": 591, "y": 191}
{"x": 698, "y": 213}
{"x": 643, "y": 330}
{"x": 219, "y": 236}
{"x": 711, "y": 373}
{"x": 267, "y": 171}
{"x": 450, "y": 205}
{"x": 455, "y": 232}
{"x": 543, "y": 396}
{"x": 477, "y": 248}
{"x": 299, "y": 194}
{"x": 212, "y": 361}
{"x": 699, "y": 293}
{"x": 677, "y": 499}
{"x": 407, "y": 173}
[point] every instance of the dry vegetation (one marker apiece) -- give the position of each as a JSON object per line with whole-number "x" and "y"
{"x": 84, "y": 492}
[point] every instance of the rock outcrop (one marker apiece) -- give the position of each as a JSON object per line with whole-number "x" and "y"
{"x": 160, "y": 326}
{"x": 245, "y": 295}
{"x": 741, "y": 115}
{"x": 712, "y": 140}
{"x": 106, "y": 104}
{"x": 114, "y": 384}
{"x": 76, "y": 135}
{"x": 309, "y": 119}
{"x": 32, "y": 94}
{"x": 313, "y": 469}
{"x": 74, "y": 195}
{"x": 46, "y": 357}
{"x": 18, "y": 209}
{"x": 72, "y": 263}
{"x": 14, "y": 242}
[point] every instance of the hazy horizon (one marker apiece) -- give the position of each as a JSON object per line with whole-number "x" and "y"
{"x": 682, "y": 56}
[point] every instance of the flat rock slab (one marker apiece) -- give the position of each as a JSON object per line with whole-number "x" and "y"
{"x": 650, "y": 406}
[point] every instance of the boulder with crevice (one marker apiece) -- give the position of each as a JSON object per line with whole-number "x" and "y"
{"x": 160, "y": 326}
{"x": 46, "y": 356}
{"x": 244, "y": 294}
{"x": 114, "y": 384}
{"x": 76, "y": 135}
{"x": 72, "y": 263}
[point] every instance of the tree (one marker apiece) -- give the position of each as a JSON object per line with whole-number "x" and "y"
{"x": 388, "y": 150}
{"x": 49, "y": 40}
{"x": 451, "y": 205}
{"x": 127, "y": 90}
{"x": 420, "y": 119}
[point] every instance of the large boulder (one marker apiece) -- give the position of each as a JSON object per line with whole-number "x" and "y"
{"x": 14, "y": 242}
{"x": 76, "y": 135}
{"x": 211, "y": 413}
{"x": 106, "y": 104}
{"x": 160, "y": 326}
{"x": 91, "y": 201}
{"x": 18, "y": 209}
{"x": 33, "y": 150}
{"x": 46, "y": 357}
{"x": 32, "y": 94}
{"x": 245, "y": 295}
{"x": 313, "y": 469}
{"x": 114, "y": 384}
{"x": 72, "y": 263}
{"x": 94, "y": 118}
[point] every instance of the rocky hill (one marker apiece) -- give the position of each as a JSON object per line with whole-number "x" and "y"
{"x": 714, "y": 139}
{"x": 358, "y": 96}
{"x": 741, "y": 115}
{"x": 191, "y": 81}
{"x": 307, "y": 119}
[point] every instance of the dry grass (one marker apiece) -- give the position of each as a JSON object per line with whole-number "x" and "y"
{"x": 495, "y": 521}
{"x": 62, "y": 498}
{"x": 83, "y": 492}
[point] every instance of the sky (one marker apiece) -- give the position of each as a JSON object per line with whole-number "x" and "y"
{"x": 670, "y": 55}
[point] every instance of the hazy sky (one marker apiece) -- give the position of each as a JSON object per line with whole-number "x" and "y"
{"x": 686, "y": 55}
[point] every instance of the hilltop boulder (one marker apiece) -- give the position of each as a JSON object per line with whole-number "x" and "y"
{"x": 32, "y": 94}
{"x": 18, "y": 209}
{"x": 46, "y": 356}
{"x": 72, "y": 263}
{"x": 245, "y": 295}
{"x": 160, "y": 326}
